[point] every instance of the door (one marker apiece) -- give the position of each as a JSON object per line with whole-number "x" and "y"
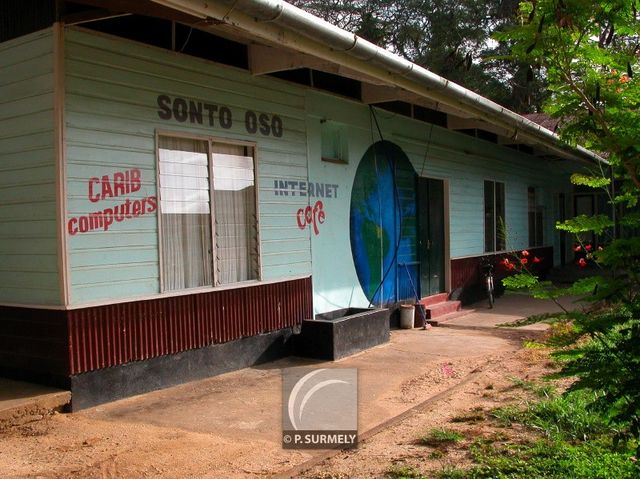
{"x": 430, "y": 212}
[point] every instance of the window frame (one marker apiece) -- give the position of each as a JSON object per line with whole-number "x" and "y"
{"x": 538, "y": 209}
{"x": 338, "y": 137}
{"x": 495, "y": 249}
{"x": 210, "y": 139}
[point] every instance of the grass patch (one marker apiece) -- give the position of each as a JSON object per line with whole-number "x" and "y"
{"x": 548, "y": 459}
{"x": 507, "y": 415}
{"x": 403, "y": 472}
{"x": 496, "y": 436}
{"x": 545, "y": 390}
{"x": 441, "y": 438}
{"x": 534, "y": 345}
{"x": 451, "y": 473}
{"x": 564, "y": 417}
{"x": 561, "y": 334}
{"x": 573, "y": 442}
{"x": 471, "y": 417}
{"x": 536, "y": 318}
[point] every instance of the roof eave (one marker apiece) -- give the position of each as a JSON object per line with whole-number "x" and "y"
{"x": 278, "y": 22}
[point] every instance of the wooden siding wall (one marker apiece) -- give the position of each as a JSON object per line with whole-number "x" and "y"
{"x": 28, "y": 244}
{"x": 465, "y": 162}
{"x": 112, "y": 87}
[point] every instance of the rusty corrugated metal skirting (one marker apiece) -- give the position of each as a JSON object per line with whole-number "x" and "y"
{"x": 110, "y": 335}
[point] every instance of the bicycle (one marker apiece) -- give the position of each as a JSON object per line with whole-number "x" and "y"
{"x": 486, "y": 265}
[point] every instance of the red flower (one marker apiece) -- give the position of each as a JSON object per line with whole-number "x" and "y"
{"x": 582, "y": 262}
{"x": 577, "y": 248}
{"x": 524, "y": 260}
{"x": 588, "y": 247}
{"x": 536, "y": 259}
{"x": 511, "y": 266}
{"x": 505, "y": 262}
{"x": 525, "y": 253}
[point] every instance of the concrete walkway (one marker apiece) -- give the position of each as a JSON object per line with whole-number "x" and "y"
{"x": 509, "y": 308}
{"x": 245, "y": 405}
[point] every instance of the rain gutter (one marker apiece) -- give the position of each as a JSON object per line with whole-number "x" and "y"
{"x": 279, "y": 22}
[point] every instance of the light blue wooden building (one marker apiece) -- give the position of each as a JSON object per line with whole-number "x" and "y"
{"x": 183, "y": 182}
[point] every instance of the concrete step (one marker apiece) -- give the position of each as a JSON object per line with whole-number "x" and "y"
{"x": 442, "y": 309}
{"x": 434, "y": 299}
{"x": 447, "y": 318}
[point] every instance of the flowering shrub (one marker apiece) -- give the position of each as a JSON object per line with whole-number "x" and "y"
{"x": 520, "y": 261}
{"x": 585, "y": 253}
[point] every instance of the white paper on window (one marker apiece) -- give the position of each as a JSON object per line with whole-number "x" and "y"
{"x": 185, "y": 209}
{"x": 184, "y": 182}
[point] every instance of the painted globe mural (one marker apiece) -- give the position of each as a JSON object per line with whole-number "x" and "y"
{"x": 383, "y": 222}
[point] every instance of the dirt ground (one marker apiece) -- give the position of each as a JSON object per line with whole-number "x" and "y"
{"x": 229, "y": 426}
{"x": 466, "y": 410}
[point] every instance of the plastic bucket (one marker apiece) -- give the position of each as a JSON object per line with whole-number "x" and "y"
{"x": 407, "y": 316}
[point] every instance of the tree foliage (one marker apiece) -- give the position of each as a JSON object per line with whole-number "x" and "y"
{"x": 589, "y": 53}
{"x": 450, "y": 37}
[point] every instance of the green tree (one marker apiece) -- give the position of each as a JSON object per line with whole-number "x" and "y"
{"x": 449, "y": 37}
{"x": 589, "y": 51}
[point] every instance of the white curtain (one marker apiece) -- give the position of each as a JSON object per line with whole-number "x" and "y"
{"x": 185, "y": 213}
{"x": 234, "y": 204}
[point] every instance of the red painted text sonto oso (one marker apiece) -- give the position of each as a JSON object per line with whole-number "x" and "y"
{"x": 119, "y": 184}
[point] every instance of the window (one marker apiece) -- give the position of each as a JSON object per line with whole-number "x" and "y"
{"x": 536, "y": 218}
{"x": 333, "y": 142}
{"x": 208, "y": 220}
{"x": 494, "y": 223}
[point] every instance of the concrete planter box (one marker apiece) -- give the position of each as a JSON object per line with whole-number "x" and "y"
{"x": 343, "y": 332}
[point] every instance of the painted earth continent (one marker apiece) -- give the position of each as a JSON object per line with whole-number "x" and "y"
{"x": 381, "y": 218}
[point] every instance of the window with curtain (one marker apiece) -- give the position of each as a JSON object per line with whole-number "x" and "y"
{"x": 235, "y": 226}
{"x": 208, "y": 213}
{"x": 536, "y": 218}
{"x": 494, "y": 217}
